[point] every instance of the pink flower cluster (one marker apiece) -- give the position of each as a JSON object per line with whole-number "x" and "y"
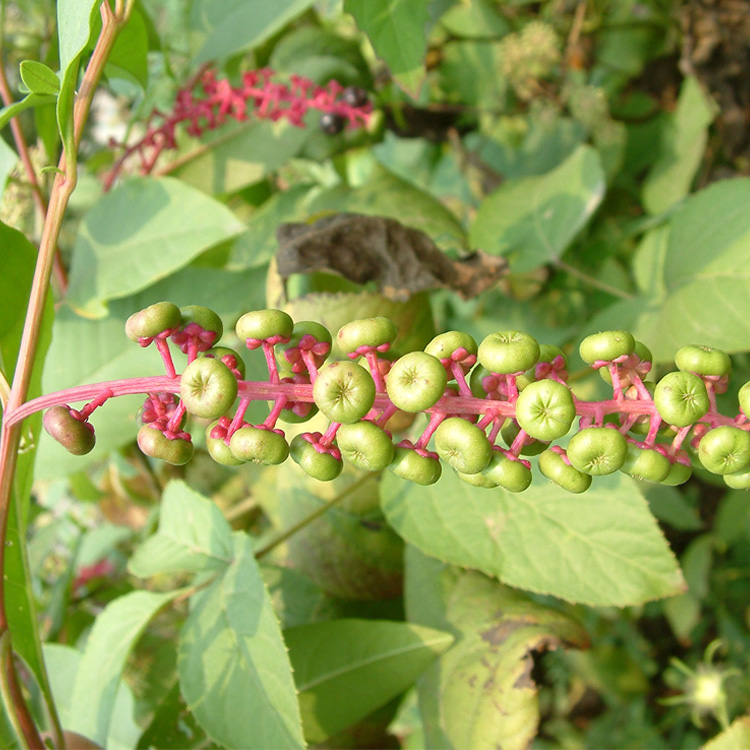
{"x": 211, "y": 101}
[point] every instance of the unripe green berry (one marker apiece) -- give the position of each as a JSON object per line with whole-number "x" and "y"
{"x": 259, "y": 446}
{"x": 744, "y": 399}
{"x": 416, "y": 381}
{"x": 463, "y": 445}
{"x": 703, "y": 360}
{"x": 152, "y": 321}
{"x": 478, "y": 480}
{"x": 154, "y": 443}
{"x": 288, "y": 353}
{"x": 511, "y": 475}
{"x": 641, "y": 351}
{"x": 75, "y": 436}
{"x": 344, "y": 392}
{"x": 545, "y": 410}
{"x": 679, "y": 473}
{"x": 365, "y": 445}
{"x": 646, "y": 463}
{"x": 553, "y": 466}
{"x": 208, "y": 388}
{"x": 606, "y": 346}
{"x": 410, "y": 465}
{"x": 206, "y": 318}
{"x": 218, "y": 449}
{"x": 264, "y": 324}
{"x": 681, "y": 398}
{"x": 369, "y": 332}
{"x": 508, "y": 352}
{"x": 739, "y": 481}
{"x": 531, "y": 446}
{"x": 321, "y": 466}
{"x": 725, "y": 450}
{"x": 444, "y": 344}
{"x": 597, "y": 450}
{"x": 228, "y": 356}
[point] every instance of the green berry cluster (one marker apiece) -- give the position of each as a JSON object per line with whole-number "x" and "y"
{"x": 489, "y": 406}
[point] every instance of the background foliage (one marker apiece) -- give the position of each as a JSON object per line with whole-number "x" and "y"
{"x": 600, "y": 147}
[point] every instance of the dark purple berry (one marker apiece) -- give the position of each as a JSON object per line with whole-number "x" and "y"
{"x": 332, "y": 123}
{"x": 355, "y": 96}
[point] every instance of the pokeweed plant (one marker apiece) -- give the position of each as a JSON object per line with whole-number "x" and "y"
{"x": 426, "y": 509}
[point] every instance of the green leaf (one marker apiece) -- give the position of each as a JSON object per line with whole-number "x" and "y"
{"x": 700, "y": 277}
{"x": 63, "y": 663}
{"x": 235, "y": 157}
{"x": 683, "y": 143}
{"x": 234, "y": 670}
{"x": 736, "y": 737}
{"x": 256, "y": 246}
{"x": 532, "y": 221}
{"x": 345, "y": 669}
{"x": 19, "y": 261}
{"x": 230, "y": 26}
{"x": 193, "y": 536}
{"x": 39, "y": 79}
{"x": 479, "y": 19}
{"x": 385, "y": 194}
{"x": 602, "y": 548}
{"x": 129, "y": 57}
{"x": 480, "y": 693}
{"x": 296, "y": 599}
{"x": 30, "y": 100}
{"x": 115, "y": 632}
{"x": 90, "y": 351}
{"x": 396, "y": 29}
{"x": 74, "y": 19}
{"x": 140, "y": 232}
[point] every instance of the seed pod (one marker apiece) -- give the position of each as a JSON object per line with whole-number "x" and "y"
{"x": 155, "y": 319}
{"x": 365, "y": 445}
{"x": 264, "y": 324}
{"x": 320, "y": 465}
{"x": 681, "y": 398}
{"x": 744, "y": 399}
{"x": 416, "y": 382}
{"x": 314, "y": 337}
{"x": 208, "y": 388}
{"x": 369, "y": 332}
{"x": 463, "y": 445}
{"x": 739, "y": 481}
{"x": 344, "y": 392}
{"x": 531, "y": 447}
{"x": 154, "y": 443}
{"x": 508, "y": 352}
{"x": 410, "y": 465}
{"x": 204, "y": 317}
{"x": 545, "y": 410}
{"x": 259, "y": 446}
{"x": 75, "y": 436}
{"x": 553, "y": 466}
{"x": 606, "y": 346}
{"x": 597, "y": 450}
{"x": 445, "y": 344}
{"x": 725, "y": 450}
{"x": 679, "y": 473}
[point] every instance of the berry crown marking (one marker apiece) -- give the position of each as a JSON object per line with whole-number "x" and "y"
{"x": 489, "y": 407}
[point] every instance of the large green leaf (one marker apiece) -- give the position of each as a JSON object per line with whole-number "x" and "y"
{"x": 63, "y": 664}
{"x": 193, "y": 536}
{"x": 533, "y": 220}
{"x": 90, "y": 351}
{"x": 234, "y": 669}
{"x": 694, "y": 276}
{"x": 238, "y": 156}
{"x": 137, "y": 234}
{"x": 228, "y": 26}
{"x": 600, "y": 548}
{"x": 736, "y": 737}
{"x": 397, "y": 30}
{"x": 345, "y": 669}
{"x": 74, "y": 22}
{"x": 481, "y": 693}
{"x": 19, "y": 260}
{"x": 115, "y": 632}
{"x": 683, "y": 143}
